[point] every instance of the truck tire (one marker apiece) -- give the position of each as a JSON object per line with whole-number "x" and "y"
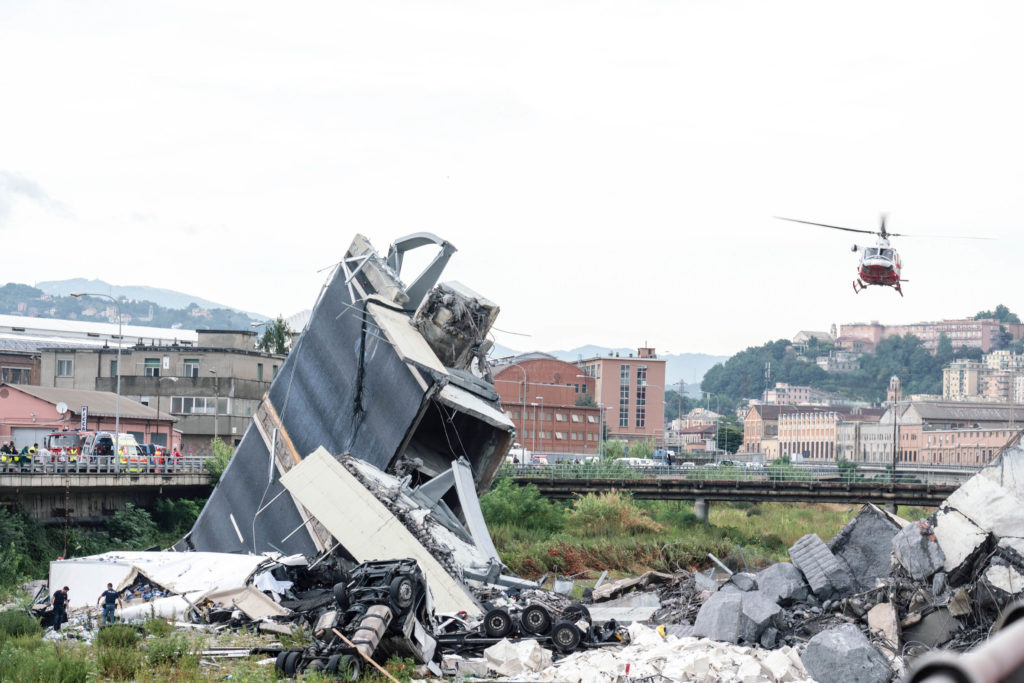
{"x": 291, "y": 662}
{"x": 566, "y": 636}
{"x": 536, "y": 620}
{"x": 349, "y": 668}
{"x": 402, "y": 592}
{"x": 498, "y": 623}
{"x": 575, "y": 612}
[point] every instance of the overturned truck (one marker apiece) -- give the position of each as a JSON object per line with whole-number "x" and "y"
{"x": 393, "y": 374}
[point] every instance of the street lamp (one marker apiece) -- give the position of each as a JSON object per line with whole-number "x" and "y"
{"x": 117, "y": 400}
{"x": 534, "y": 406}
{"x": 525, "y": 387}
{"x": 158, "y": 380}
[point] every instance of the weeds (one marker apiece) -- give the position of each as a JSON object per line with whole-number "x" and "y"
{"x": 117, "y": 636}
{"x": 172, "y": 649}
{"x": 16, "y": 622}
{"x": 45, "y": 662}
{"x": 609, "y": 514}
{"x": 119, "y": 663}
{"x": 157, "y": 627}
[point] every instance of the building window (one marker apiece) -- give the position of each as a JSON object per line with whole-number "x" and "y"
{"x": 15, "y": 375}
{"x": 624, "y": 416}
{"x": 191, "y": 367}
{"x": 592, "y": 419}
{"x": 641, "y": 417}
{"x": 577, "y": 418}
{"x": 259, "y": 372}
{"x": 623, "y": 374}
{"x": 273, "y": 372}
{"x": 560, "y": 436}
{"x": 199, "y": 405}
{"x": 113, "y": 368}
{"x": 561, "y": 417}
{"x": 65, "y": 367}
{"x": 152, "y": 366}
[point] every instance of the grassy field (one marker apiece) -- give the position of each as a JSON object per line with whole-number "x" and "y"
{"x": 613, "y": 532}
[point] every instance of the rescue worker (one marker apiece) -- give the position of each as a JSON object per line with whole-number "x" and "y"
{"x": 72, "y": 458}
{"x": 176, "y": 455}
{"x": 5, "y": 458}
{"x": 111, "y": 599}
{"x": 60, "y": 607}
{"x": 159, "y": 457}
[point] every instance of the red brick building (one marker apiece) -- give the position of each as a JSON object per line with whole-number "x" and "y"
{"x": 631, "y": 390}
{"x": 539, "y": 393}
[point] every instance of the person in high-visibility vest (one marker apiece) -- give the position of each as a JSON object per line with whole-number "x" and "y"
{"x": 73, "y": 457}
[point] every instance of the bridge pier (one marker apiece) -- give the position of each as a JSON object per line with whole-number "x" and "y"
{"x": 890, "y": 508}
{"x": 700, "y": 508}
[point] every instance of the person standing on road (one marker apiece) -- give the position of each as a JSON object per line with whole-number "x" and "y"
{"x": 60, "y": 607}
{"x": 111, "y": 598}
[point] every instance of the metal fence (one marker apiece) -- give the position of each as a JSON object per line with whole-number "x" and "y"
{"x": 788, "y": 473}
{"x": 103, "y": 464}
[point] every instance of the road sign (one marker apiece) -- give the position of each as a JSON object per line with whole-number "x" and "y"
{"x": 85, "y": 417}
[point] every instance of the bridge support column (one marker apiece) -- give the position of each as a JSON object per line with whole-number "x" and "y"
{"x": 890, "y": 508}
{"x": 700, "y": 508}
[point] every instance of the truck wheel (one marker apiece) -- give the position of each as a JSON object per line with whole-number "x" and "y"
{"x": 317, "y": 665}
{"x": 402, "y": 592}
{"x": 291, "y": 662}
{"x": 279, "y": 663}
{"x": 332, "y": 664}
{"x": 536, "y": 620}
{"x": 341, "y": 595}
{"x": 566, "y": 636}
{"x": 349, "y": 668}
{"x": 497, "y": 623}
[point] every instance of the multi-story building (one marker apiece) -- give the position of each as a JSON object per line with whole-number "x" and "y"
{"x": 212, "y": 387}
{"x": 839, "y": 361}
{"x": 956, "y": 433}
{"x": 978, "y": 334}
{"x": 793, "y": 395}
{"x": 552, "y": 404}
{"x": 820, "y": 433}
{"x": 761, "y": 424}
{"x": 960, "y": 379}
{"x": 634, "y": 388}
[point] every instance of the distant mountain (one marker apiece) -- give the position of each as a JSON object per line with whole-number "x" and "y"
{"x": 688, "y": 367}
{"x": 168, "y": 298}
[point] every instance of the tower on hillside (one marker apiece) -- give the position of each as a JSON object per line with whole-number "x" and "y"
{"x": 895, "y": 394}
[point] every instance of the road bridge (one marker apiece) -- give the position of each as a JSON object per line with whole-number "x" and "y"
{"x": 58, "y": 494}
{"x": 703, "y": 485}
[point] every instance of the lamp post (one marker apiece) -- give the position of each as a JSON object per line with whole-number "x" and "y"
{"x": 525, "y": 386}
{"x": 158, "y": 380}
{"x": 534, "y": 406}
{"x": 117, "y": 400}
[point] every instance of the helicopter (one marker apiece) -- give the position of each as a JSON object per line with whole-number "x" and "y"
{"x": 879, "y": 265}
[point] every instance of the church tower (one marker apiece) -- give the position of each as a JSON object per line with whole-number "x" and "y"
{"x": 895, "y": 394}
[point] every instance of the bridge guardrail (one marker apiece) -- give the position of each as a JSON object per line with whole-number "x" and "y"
{"x": 105, "y": 464}
{"x": 611, "y": 470}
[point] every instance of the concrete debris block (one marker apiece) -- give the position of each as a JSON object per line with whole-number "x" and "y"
{"x": 719, "y": 617}
{"x": 679, "y": 630}
{"x": 460, "y": 667}
{"x": 827, "y": 575}
{"x": 916, "y": 549}
{"x": 1002, "y": 577}
{"x": 934, "y": 629}
{"x": 960, "y": 604}
{"x": 962, "y": 541}
{"x": 630, "y": 607}
{"x": 759, "y": 613}
{"x": 704, "y": 582}
{"x": 993, "y": 498}
{"x": 511, "y": 659}
{"x": 778, "y": 666}
{"x": 864, "y": 544}
{"x": 749, "y": 671}
{"x": 783, "y": 583}
{"x": 745, "y": 581}
{"x": 939, "y": 584}
{"x": 884, "y": 620}
{"x": 1012, "y": 549}
{"x": 769, "y": 638}
{"x": 843, "y": 654}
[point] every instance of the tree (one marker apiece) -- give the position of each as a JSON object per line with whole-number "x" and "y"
{"x": 277, "y": 337}
{"x": 614, "y": 449}
{"x": 642, "y": 449}
{"x": 218, "y": 462}
{"x": 1001, "y": 313}
{"x": 586, "y": 400}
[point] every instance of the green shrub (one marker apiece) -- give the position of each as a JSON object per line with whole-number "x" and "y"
{"x": 218, "y": 461}
{"x": 16, "y": 622}
{"x": 176, "y": 649}
{"x": 157, "y": 627}
{"x": 509, "y": 503}
{"x": 120, "y": 663}
{"x": 117, "y": 636}
{"x": 132, "y": 527}
{"x": 59, "y": 663}
{"x": 612, "y": 514}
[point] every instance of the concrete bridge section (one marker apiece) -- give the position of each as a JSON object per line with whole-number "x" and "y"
{"x": 83, "y": 498}
{"x": 703, "y": 491}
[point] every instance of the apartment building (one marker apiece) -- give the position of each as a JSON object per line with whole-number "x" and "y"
{"x": 633, "y": 388}
{"x": 979, "y": 334}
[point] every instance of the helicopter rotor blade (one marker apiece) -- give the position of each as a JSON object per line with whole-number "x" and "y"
{"x": 824, "y": 225}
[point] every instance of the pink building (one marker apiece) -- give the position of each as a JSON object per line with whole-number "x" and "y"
{"x": 29, "y": 413}
{"x": 632, "y": 391}
{"x": 980, "y": 334}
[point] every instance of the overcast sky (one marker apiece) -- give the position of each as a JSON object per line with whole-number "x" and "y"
{"x": 607, "y": 170}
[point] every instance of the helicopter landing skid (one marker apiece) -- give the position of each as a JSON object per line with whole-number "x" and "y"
{"x": 858, "y": 286}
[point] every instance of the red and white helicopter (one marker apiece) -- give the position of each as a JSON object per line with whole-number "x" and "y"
{"x": 879, "y": 265}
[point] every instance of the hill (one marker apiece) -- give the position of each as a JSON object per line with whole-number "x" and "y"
{"x": 167, "y": 298}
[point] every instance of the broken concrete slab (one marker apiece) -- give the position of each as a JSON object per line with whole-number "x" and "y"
{"x": 629, "y": 608}
{"x": 864, "y": 544}
{"x": 745, "y": 581}
{"x": 613, "y": 589}
{"x": 933, "y": 630}
{"x": 759, "y": 613}
{"x": 916, "y": 549}
{"x": 884, "y": 620}
{"x": 843, "y": 654}
{"x": 510, "y": 659}
{"x": 994, "y": 497}
{"x": 719, "y": 617}
{"x": 828, "y": 576}
{"x": 1004, "y": 580}
{"x": 962, "y": 541}
{"x": 783, "y": 583}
